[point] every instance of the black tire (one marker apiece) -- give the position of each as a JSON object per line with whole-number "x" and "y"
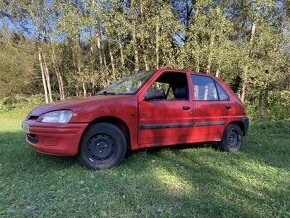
{"x": 232, "y": 139}
{"x": 103, "y": 146}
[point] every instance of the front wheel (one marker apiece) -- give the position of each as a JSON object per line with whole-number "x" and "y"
{"x": 232, "y": 139}
{"x": 102, "y": 146}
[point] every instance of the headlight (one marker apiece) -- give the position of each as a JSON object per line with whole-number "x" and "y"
{"x": 61, "y": 116}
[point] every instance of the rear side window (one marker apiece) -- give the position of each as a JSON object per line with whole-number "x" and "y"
{"x": 222, "y": 94}
{"x": 204, "y": 88}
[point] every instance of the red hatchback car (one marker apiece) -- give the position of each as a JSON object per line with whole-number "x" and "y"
{"x": 146, "y": 109}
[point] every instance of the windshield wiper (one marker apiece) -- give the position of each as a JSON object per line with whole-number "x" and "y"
{"x": 107, "y": 93}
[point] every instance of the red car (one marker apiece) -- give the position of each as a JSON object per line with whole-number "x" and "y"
{"x": 156, "y": 108}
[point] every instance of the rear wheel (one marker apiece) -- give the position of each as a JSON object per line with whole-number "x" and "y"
{"x": 232, "y": 139}
{"x": 103, "y": 146}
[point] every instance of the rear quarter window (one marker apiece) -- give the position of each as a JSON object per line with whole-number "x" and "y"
{"x": 223, "y": 96}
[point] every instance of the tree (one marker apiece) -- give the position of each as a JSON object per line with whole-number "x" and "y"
{"x": 81, "y": 46}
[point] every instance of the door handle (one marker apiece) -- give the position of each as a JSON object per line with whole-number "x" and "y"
{"x": 228, "y": 107}
{"x": 185, "y": 108}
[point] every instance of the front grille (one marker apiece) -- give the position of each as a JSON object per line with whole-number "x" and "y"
{"x": 32, "y": 138}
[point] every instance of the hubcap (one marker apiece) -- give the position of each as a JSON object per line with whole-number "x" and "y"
{"x": 100, "y": 147}
{"x": 233, "y": 139}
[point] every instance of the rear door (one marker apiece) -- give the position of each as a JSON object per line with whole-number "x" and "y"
{"x": 211, "y": 107}
{"x": 166, "y": 121}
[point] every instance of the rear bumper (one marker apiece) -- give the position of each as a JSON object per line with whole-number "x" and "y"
{"x": 245, "y": 121}
{"x": 56, "y": 139}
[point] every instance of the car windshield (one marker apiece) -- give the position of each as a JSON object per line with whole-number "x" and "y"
{"x": 127, "y": 85}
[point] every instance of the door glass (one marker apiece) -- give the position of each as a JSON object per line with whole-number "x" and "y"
{"x": 204, "y": 88}
{"x": 173, "y": 85}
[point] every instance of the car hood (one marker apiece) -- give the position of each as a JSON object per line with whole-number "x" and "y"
{"x": 78, "y": 103}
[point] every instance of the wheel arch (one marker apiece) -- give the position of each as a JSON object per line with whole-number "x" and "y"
{"x": 116, "y": 122}
{"x": 240, "y": 124}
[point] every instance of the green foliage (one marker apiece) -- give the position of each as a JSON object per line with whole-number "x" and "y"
{"x": 253, "y": 111}
{"x": 80, "y": 46}
{"x": 17, "y": 75}
{"x": 18, "y": 102}
{"x": 279, "y": 105}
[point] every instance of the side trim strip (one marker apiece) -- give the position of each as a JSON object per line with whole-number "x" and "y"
{"x": 210, "y": 123}
{"x": 180, "y": 125}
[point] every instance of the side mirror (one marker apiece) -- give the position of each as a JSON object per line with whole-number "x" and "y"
{"x": 154, "y": 95}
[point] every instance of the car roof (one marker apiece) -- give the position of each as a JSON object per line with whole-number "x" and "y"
{"x": 184, "y": 71}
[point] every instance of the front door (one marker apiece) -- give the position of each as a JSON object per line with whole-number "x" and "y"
{"x": 165, "y": 112}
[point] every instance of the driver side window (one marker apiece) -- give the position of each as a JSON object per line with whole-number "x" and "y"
{"x": 169, "y": 86}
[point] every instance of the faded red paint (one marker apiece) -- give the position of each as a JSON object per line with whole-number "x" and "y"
{"x": 133, "y": 111}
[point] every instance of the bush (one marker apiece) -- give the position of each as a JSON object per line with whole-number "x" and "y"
{"x": 252, "y": 110}
{"x": 279, "y": 105}
{"x": 18, "y": 101}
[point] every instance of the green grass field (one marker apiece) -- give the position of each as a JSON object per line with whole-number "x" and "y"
{"x": 181, "y": 181}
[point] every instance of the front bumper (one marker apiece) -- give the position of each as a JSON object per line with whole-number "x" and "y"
{"x": 56, "y": 139}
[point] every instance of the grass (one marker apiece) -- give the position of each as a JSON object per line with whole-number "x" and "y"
{"x": 180, "y": 181}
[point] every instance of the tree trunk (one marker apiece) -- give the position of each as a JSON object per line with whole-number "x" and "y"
{"x": 77, "y": 90}
{"x": 91, "y": 40}
{"x": 244, "y": 88}
{"x": 145, "y": 61}
{"x": 104, "y": 56}
{"x": 246, "y": 68}
{"x": 253, "y": 31}
{"x": 121, "y": 53}
{"x": 42, "y": 74}
{"x": 58, "y": 74}
{"x": 197, "y": 65}
{"x": 84, "y": 89}
{"x": 144, "y": 55}
{"x": 218, "y": 71}
{"x": 98, "y": 38}
{"x": 157, "y": 44}
{"x": 82, "y": 77}
{"x": 135, "y": 47}
{"x": 47, "y": 76}
{"x": 112, "y": 62}
{"x": 196, "y": 46}
{"x": 209, "y": 63}
{"x": 92, "y": 51}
